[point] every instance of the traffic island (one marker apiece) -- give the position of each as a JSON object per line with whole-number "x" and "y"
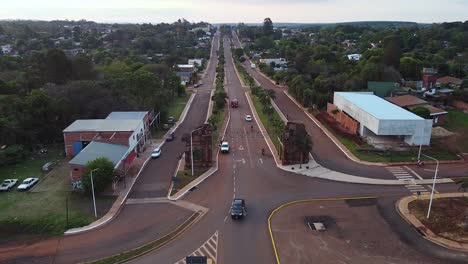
{"x": 338, "y": 230}
{"x": 447, "y": 224}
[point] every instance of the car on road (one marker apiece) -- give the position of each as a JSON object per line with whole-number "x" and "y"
{"x": 170, "y": 137}
{"x": 8, "y": 184}
{"x": 156, "y": 153}
{"x": 225, "y": 147}
{"x": 27, "y": 184}
{"x": 248, "y": 118}
{"x": 237, "y": 208}
{"x": 235, "y": 103}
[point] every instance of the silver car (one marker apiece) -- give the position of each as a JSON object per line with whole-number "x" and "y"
{"x": 8, "y": 184}
{"x": 27, "y": 184}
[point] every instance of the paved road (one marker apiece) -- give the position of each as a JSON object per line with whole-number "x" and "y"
{"x": 245, "y": 173}
{"x": 326, "y": 152}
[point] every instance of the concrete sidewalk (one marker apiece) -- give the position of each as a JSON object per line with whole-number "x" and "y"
{"x": 315, "y": 170}
{"x": 132, "y": 175}
{"x": 402, "y": 208}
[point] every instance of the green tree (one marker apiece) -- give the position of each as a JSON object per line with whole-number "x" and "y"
{"x": 83, "y": 68}
{"x": 410, "y": 67}
{"x": 392, "y": 51}
{"x": 102, "y": 177}
{"x": 58, "y": 67}
{"x": 267, "y": 27}
{"x": 422, "y": 112}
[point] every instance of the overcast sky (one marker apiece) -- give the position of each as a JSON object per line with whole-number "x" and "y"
{"x": 216, "y": 11}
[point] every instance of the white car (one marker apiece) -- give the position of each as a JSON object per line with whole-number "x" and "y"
{"x": 7, "y": 184}
{"x": 156, "y": 153}
{"x": 248, "y": 118}
{"x": 224, "y": 147}
{"x": 27, "y": 183}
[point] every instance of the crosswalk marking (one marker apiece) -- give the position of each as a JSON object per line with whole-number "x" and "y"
{"x": 208, "y": 249}
{"x": 402, "y": 175}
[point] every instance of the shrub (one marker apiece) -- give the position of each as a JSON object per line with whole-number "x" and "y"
{"x": 102, "y": 177}
{"x": 12, "y": 155}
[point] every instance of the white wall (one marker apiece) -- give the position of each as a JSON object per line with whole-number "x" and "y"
{"x": 415, "y": 131}
{"x": 132, "y": 141}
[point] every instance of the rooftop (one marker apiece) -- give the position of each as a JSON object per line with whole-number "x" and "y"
{"x": 103, "y": 125}
{"x": 405, "y": 100}
{"x": 449, "y": 79}
{"x": 127, "y": 115}
{"x": 378, "y": 107}
{"x": 94, "y": 150}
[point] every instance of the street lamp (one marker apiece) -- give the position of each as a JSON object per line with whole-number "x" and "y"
{"x": 92, "y": 187}
{"x": 191, "y": 147}
{"x": 433, "y": 184}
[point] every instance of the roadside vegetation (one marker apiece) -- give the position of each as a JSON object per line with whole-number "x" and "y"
{"x": 218, "y": 115}
{"x": 447, "y": 219}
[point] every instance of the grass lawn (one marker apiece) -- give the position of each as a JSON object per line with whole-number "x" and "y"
{"x": 184, "y": 177}
{"x": 266, "y": 121}
{"x": 447, "y": 219}
{"x": 175, "y": 110}
{"x": 392, "y": 156}
{"x": 456, "y": 121}
{"x": 42, "y": 210}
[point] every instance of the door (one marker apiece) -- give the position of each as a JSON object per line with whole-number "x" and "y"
{"x": 77, "y": 147}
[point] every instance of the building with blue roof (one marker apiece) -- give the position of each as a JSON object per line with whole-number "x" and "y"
{"x": 376, "y": 117}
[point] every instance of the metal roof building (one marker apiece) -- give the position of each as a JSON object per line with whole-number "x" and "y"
{"x": 127, "y": 115}
{"x": 103, "y": 125}
{"x": 378, "y": 117}
{"x": 94, "y": 150}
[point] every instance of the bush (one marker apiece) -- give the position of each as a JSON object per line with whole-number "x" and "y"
{"x": 12, "y": 155}
{"x": 102, "y": 177}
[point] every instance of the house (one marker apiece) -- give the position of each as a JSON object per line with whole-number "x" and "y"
{"x": 429, "y": 78}
{"x": 80, "y": 133}
{"x": 147, "y": 117}
{"x": 377, "y": 120}
{"x": 449, "y": 81}
{"x": 118, "y": 154}
{"x": 186, "y": 68}
{"x": 185, "y": 77}
{"x": 354, "y": 57}
{"x": 382, "y": 89}
{"x": 411, "y": 102}
{"x": 196, "y": 62}
{"x": 278, "y": 64}
{"x": 7, "y": 49}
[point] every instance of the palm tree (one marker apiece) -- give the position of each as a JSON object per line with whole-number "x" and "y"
{"x": 304, "y": 145}
{"x": 463, "y": 184}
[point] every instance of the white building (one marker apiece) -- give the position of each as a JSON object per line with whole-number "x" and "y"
{"x": 380, "y": 119}
{"x": 196, "y": 62}
{"x": 7, "y": 49}
{"x": 354, "y": 57}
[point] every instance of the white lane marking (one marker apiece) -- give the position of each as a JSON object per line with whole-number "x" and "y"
{"x": 225, "y": 218}
{"x": 417, "y": 175}
{"x": 248, "y": 149}
{"x": 261, "y": 161}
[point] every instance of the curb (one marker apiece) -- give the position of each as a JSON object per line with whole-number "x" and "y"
{"x": 350, "y": 155}
{"x": 265, "y": 134}
{"x": 304, "y": 201}
{"x": 210, "y": 171}
{"x": 174, "y": 234}
{"x": 121, "y": 201}
{"x": 401, "y": 207}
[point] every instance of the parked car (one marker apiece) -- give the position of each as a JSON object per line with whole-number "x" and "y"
{"x": 48, "y": 166}
{"x": 225, "y": 147}
{"x": 170, "y": 137}
{"x": 156, "y": 153}
{"x": 170, "y": 120}
{"x": 27, "y": 184}
{"x": 248, "y": 118}
{"x": 237, "y": 208}
{"x": 8, "y": 184}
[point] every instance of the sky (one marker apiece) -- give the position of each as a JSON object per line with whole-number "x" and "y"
{"x": 248, "y": 11}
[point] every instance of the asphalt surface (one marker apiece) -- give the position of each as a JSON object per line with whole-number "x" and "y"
{"x": 243, "y": 173}
{"x": 326, "y": 153}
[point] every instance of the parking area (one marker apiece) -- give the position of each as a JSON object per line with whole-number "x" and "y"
{"x": 354, "y": 233}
